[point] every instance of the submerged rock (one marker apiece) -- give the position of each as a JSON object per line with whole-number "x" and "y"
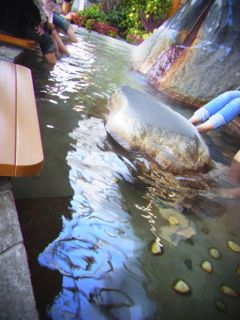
{"x": 173, "y": 220}
{"x": 156, "y": 247}
{"x": 229, "y": 291}
{"x": 182, "y": 287}
{"x": 233, "y": 246}
{"x": 206, "y": 266}
{"x": 215, "y": 253}
{"x": 141, "y": 123}
{"x": 221, "y": 305}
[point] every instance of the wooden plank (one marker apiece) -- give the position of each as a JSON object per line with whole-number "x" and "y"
{"x": 7, "y": 118}
{"x": 29, "y": 153}
{"x": 19, "y": 42}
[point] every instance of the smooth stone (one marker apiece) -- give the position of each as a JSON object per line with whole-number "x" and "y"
{"x": 156, "y": 247}
{"x": 182, "y": 287}
{"x": 173, "y": 220}
{"x": 142, "y": 123}
{"x": 238, "y": 270}
{"x": 233, "y": 246}
{"x": 221, "y": 305}
{"x": 206, "y": 266}
{"x": 229, "y": 291}
{"x": 215, "y": 253}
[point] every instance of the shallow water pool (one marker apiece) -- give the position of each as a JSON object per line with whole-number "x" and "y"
{"x": 93, "y": 217}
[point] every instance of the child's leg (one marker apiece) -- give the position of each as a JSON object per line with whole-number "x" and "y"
{"x": 230, "y": 111}
{"x": 214, "y": 106}
{"x": 60, "y": 45}
{"x": 62, "y": 23}
{"x": 71, "y": 34}
{"x": 222, "y": 117}
{"x": 46, "y": 44}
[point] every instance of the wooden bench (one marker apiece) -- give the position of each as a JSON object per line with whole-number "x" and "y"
{"x": 19, "y": 42}
{"x": 21, "y": 152}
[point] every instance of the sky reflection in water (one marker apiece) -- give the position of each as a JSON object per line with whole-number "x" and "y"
{"x": 97, "y": 251}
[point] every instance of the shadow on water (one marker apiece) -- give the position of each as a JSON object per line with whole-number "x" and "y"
{"x": 90, "y": 219}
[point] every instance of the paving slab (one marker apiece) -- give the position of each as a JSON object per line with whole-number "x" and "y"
{"x": 9, "y": 53}
{"x": 16, "y": 295}
{"x": 9, "y": 225}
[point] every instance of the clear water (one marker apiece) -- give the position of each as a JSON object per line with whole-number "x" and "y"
{"x": 91, "y": 216}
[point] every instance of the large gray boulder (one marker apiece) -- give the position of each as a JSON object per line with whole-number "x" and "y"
{"x": 141, "y": 123}
{"x": 194, "y": 55}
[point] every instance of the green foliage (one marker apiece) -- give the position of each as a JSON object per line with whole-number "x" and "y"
{"x": 89, "y": 25}
{"x": 93, "y": 12}
{"x": 130, "y": 17}
{"x": 154, "y": 9}
{"x": 138, "y": 16}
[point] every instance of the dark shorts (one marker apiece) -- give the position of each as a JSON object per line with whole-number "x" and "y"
{"x": 45, "y": 41}
{"x": 60, "y": 22}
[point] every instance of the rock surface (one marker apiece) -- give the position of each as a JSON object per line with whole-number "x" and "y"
{"x": 193, "y": 56}
{"x": 140, "y": 123}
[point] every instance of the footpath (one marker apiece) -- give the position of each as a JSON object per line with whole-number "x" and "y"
{"x": 16, "y": 294}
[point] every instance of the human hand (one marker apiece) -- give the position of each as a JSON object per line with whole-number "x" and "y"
{"x": 39, "y": 29}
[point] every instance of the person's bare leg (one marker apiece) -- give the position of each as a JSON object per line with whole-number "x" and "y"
{"x": 59, "y": 44}
{"x": 204, "y": 127}
{"x": 72, "y": 35}
{"x": 194, "y": 119}
{"x": 54, "y": 39}
{"x": 50, "y": 57}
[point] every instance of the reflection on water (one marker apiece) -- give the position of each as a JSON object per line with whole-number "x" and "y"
{"x": 97, "y": 252}
{"x": 118, "y": 209}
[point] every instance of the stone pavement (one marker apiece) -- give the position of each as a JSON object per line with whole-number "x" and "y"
{"x": 16, "y": 294}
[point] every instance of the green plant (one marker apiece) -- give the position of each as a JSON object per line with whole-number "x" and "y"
{"x": 140, "y": 15}
{"x": 93, "y": 12}
{"x": 89, "y": 25}
{"x": 131, "y": 18}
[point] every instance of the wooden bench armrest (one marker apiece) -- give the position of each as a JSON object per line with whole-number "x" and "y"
{"x": 19, "y": 42}
{"x": 21, "y": 152}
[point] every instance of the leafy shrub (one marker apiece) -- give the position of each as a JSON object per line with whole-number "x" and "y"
{"x": 93, "y": 12}
{"x": 106, "y": 29}
{"x": 89, "y": 25}
{"x": 141, "y": 15}
{"x": 134, "y": 39}
{"x": 129, "y": 18}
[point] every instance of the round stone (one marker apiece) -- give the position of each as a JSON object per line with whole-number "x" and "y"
{"x": 182, "y": 287}
{"x": 173, "y": 220}
{"x": 233, "y": 246}
{"x": 221, "y": 305}
{"x": 156, "y": 247}
{"x": 215, "y": 253}
{"x": 229, "y": 291}
{"x": 206, "y": 266}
